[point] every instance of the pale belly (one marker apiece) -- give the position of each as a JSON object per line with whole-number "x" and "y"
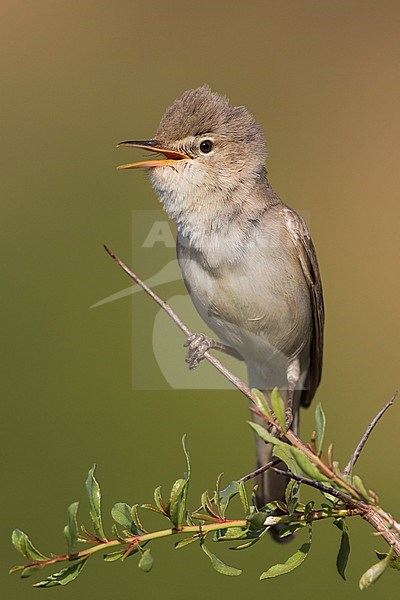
{"x": 260, "y": 306}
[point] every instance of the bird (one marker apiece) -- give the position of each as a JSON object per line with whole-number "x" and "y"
{"x": 247, "y": 259}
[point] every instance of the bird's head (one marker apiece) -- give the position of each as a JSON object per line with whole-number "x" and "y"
{"x": 208, "y": 148}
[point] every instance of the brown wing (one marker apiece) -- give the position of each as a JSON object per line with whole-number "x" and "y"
{"x": 308, "y": 259}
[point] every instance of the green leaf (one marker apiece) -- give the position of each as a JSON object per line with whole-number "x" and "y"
{"x": 71, "y": 530}
{"x": 16, "y": 569}
{"x": 187, "y": 457}
{"x": 186, "y": 542}
{"x": 344, "y": 549}
{"x": 137, "y": 527}
{"x": 320, "y": 421}
{"x": 358, "y": 484}
{"x": 246, "y": 544}
{"x": 226, "y": 495}
{"x": 207, "y": 505}
{"x": 23, "y": 544}
{"x": 284, "y": 453}
{"x": 177, "y": 503}
{"x": 290, "y": 530}
{"x": 122, "y": 514}
{"x": 278, "y": 406}
{"x": 159, "y": 501}
{"x": 257, "y": 519}
{"x": 28, "y": 571}
{"x": 94, "y": 496}
{"x": 265, "y": 435}
{"x": 306, "y": 466}
{"x": 63, "y": 577}
{"x": 243, "y": 498}
{"x": 373, "y": 573}
{"x": 152, "y": 508}
{"x": 218, "y": 565}
{"x": 112, "y": 556}
{"x": 146, "y": 561}
{"x": 261, "y": 403}
{"x": 116, "y": 533}
{"x": 203, "y": 517}
{"x": 227, "y": 534}
{"x": 292, "y": 562}
{"x": 218, "y": 493}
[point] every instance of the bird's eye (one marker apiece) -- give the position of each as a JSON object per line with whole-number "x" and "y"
{"x": 206, "y": 146}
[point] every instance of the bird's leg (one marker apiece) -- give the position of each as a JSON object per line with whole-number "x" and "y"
{"x": 199, "y": 343}
{"x": 293, "y": 375}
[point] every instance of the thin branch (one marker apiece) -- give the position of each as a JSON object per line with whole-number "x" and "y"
{"x": 368, "y": 431}
{"x": 316, "y": 484}
{"x": 238, "y": 383}
{"x": 260, "y": 470}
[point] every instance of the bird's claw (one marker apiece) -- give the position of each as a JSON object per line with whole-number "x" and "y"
{"x": 198, "y": 344}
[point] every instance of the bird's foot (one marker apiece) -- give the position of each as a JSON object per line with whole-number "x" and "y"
{"x": 198, "y": 344}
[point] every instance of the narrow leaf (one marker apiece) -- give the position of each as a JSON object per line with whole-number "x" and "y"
{"x": 261, "y": 403}
{"x": 320, "y": 421}
{"x": 217, "y": 494}
{"x": 278, "y": 407}
{"x": 152, "y": 508}
{"x": 146, "y": 561}
{"x": 159, "y": 501}
{"x": 284, "y": 453}
{"x": 116, "y": 533}
{"x": 23, "y": 544}
{"x": 122, "y": 514}
{"x": 186, "y": 542}
{"x": 137, "y": 527}
{"x": 227, "y": 534}
{"x": 177, "y": 503}
{"x": 246, "y": 544}
{"x": 243, "y": 498}
{"x": 306, "y": 466}
{"x": 226, "y": 495}
{"x": 71, "y": 530}
{"x": 257, "y": 520}
{"x": 207, "y": 505}
{"x": 344, "y": 549}
{"x": 218, "y": 565}
{"x": 16, "y": 569}
{"x": 292, "y": 562}
{"x": 63, "y": 577}
{"x": 94, "y": 496}
{"x": 358, "y": 484}
{"x": 28, "y": 571}
{"x": 373, "y": 574}
{"x": 265, "y": 435}
{"x": 187, "y": 457}
{"x": 112, "y": 556}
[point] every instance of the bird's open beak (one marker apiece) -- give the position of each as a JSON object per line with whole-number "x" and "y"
{"x": 171, "y": 156}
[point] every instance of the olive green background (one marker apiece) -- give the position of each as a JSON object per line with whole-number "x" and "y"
{"x": 77, "y": 77}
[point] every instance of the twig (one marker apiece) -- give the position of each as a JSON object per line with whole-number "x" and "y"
{"x": 349, "y": 467}
{"x": 238, "y": 383}
{"x": 316, "y": 484}
{"x": 260, "y": 470}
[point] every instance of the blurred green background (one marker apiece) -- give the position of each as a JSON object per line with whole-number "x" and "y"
{"x": 77, "y": 77}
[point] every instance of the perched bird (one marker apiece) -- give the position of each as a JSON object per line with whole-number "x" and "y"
{"x": 247, "y": 259}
